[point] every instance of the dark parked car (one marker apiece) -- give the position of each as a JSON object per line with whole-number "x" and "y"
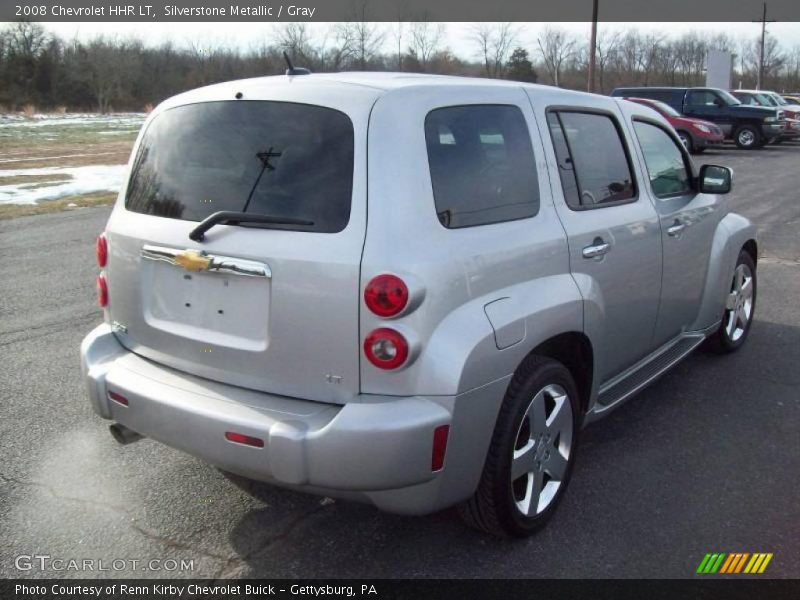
{"x": 748, "y": 126}
{"x": 696, "y": 134}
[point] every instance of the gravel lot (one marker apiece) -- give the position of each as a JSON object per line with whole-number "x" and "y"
{"x": 705, "y": 460}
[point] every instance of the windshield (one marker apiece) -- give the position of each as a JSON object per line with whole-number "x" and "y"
{"x": 729, "y": 99}
{"x": 766, "y": 100}
{"x": 289, "y": 161}
{"x": 779, "y": 99}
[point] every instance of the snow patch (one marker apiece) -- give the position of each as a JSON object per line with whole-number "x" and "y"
{"x": 84, "y": 180}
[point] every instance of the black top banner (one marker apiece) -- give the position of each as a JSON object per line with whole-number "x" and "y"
{"x": 397, "y": 10}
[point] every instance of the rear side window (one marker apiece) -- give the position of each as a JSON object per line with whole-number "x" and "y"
{"x": 272, "y": 158}
{"x": 664, "y": 159}
{"x": 482, "y": 165}
{"x": 592, "y": 160}
{"x": 660, "y": 95}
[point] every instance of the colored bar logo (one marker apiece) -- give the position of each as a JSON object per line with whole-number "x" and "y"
{"x": 734, "y": 562}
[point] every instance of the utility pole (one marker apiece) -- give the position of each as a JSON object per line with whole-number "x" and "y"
{"x": 763, "y": 21}
{"x": 593, "y": 46}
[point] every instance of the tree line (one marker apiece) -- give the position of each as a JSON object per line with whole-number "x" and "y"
{"x": 43, "y": 71}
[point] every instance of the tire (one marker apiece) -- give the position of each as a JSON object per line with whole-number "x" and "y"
{"x": 747, "y": 137}
{"x": 686, "y": 140}
{"x": 542, "y": 389}
{"x": 740, "y": 307}
{"x": 699, "y": 150}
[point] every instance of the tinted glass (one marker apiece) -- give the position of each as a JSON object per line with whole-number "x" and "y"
{"x": 652, "y": 94}
{"x": 598, "y": 156}
{"x": 482, "y": 165}
{"x": 701, "y": 98}
{"x": 271, "y": 158}
{"x": 664, "y": 159}
{"x": 566, "y": 171}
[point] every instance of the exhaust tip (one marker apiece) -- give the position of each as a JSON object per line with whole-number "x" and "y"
{"x": 123, "y": 435}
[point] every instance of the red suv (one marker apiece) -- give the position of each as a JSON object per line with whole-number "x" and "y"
{"x": 696, "y": 134}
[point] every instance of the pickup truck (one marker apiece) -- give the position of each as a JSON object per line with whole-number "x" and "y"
{"x": 748, "y": 126}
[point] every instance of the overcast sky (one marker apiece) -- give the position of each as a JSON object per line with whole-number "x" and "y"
{"x": 246, "y": 35}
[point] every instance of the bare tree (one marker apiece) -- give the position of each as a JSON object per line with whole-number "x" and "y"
{"x": 494, "y": 41}
{"x": 556, "y": 47}
{"x": 26, "y": 39}
{"x": 295, "y": 39}
{"x": 102, "y": 71}
{"x": 774, "y": 59}
{"x": 606, "y": 52}
{"x": 425, "y": 41}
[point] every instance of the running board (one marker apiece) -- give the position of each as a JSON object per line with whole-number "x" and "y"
{"x": 625, "y": 385}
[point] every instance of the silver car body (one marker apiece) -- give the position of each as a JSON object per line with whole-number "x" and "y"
{"x": 284, "y": 363}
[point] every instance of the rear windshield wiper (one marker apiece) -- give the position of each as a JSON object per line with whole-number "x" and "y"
{"x": 233, "y": 218}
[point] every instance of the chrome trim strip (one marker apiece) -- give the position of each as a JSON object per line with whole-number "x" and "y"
{"x": 219, "y": 264}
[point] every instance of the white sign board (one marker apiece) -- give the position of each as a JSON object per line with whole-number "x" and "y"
{"x": 719, "y": 65}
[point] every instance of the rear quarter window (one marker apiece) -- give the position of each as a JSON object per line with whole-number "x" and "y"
{"x": 481, "y": 165}
{"x": 273, "y": 158}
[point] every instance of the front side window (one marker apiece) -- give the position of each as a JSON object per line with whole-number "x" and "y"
{"x": 702, "y": 98}
{"x": 280, "y": 159}
{"x": 592, "y": 159}
{"x": 482, "y": 165}
{"x": 664, "y": 159}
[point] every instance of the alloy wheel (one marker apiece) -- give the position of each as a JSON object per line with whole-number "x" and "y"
{"x": 542, "y": 450}
{"x": 739, "y": 304}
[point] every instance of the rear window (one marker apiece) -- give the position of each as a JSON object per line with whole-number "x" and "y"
{"x": 482, "y": 165}
{"x": 273, "y": 158}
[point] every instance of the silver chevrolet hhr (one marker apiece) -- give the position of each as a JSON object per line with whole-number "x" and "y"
{"x": 408, "y": 290}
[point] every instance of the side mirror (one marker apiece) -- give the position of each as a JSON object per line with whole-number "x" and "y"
{"x": 719, "y": 103}
{"x": 714, "y": 179}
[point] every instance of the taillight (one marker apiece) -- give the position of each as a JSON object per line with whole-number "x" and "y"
{"x": 102, "y": 291}
{"x": 386, "y": 295}
{"x": 386, "y": 348}
{"x": 439, "y": 447}
{"x": 247, "y": 440}
{"x": 118, "y": 398}
{"x": 101, "y": 250}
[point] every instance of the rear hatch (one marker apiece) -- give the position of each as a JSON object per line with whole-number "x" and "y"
{"x": 267, "y": 306}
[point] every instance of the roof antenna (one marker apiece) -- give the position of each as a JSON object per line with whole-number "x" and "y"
{"x": 292, "y": 70}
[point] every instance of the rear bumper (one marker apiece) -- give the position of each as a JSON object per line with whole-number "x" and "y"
{"x": 377, "y": 449}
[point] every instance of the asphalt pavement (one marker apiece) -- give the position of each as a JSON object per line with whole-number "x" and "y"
{"x": 705, "y": 460}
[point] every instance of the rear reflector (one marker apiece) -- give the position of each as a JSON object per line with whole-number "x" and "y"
{"x": 101, "y": 250}
{"x": 439, "y": 447}
{"x": 118, "y": 398}
{"x": 102, "y": 291}
{"x": 241, "y": 438}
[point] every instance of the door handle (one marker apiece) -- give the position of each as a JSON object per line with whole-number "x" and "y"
{"x": 598, "y": 248}
{"x": 676, "y": 228}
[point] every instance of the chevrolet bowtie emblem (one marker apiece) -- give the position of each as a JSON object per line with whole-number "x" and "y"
{"x": 192, "y": 261}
